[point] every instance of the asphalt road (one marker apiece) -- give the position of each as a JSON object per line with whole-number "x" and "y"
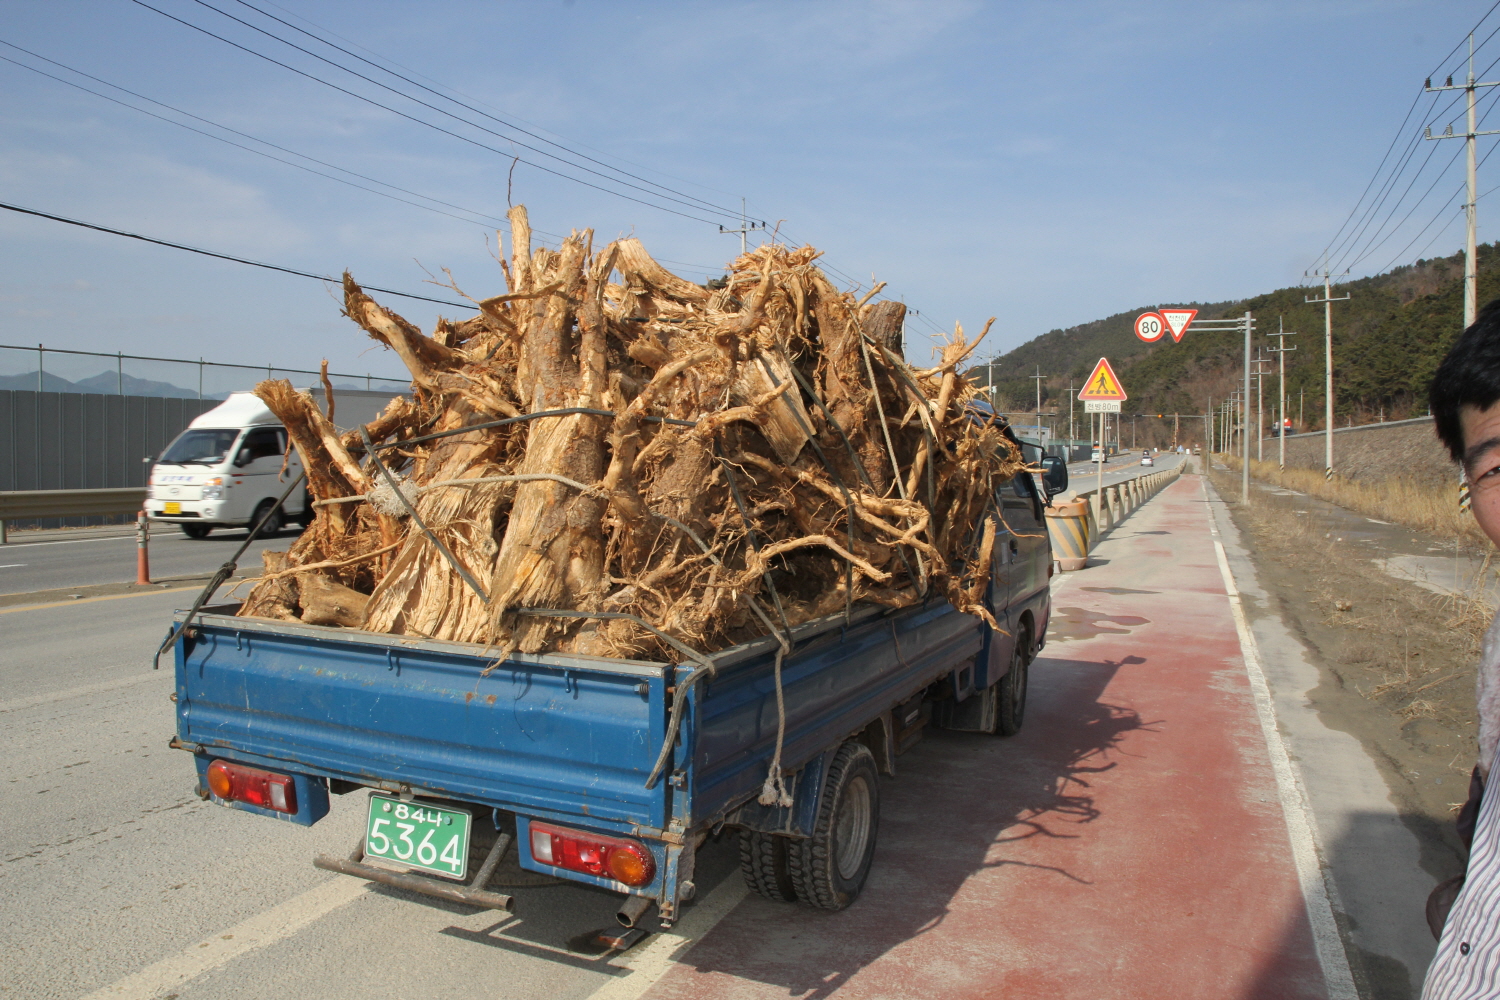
{"x": 48, "y": 560}
{"x": 1084, "y": 476}
{"x": 111, "y": 867}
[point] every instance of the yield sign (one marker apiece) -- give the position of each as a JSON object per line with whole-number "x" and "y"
{"x": 1177, "y": 321}
{"x": 1102, "y": 384}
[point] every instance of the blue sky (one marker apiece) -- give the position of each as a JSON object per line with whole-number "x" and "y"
{"x": 1045, "y": 163}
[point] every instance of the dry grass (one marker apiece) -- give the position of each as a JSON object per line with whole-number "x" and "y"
{"x": 1400, "y": 501}
{"x": 1396, "y": 645}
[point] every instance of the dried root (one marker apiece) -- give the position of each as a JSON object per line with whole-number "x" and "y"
{"x": 696, "y": 458}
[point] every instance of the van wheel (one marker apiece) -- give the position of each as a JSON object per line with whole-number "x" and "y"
{"x": 763, "y": 863}
{"x": 829, "y": 868}
{"x": 196, "y": 530}
{"x": 1011, "y": 710}
{"x": 273, "y": 523}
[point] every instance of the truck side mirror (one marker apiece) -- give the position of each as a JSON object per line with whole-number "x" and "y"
{"x": 242, "y": 459}
{"x": 1054, "y": 475}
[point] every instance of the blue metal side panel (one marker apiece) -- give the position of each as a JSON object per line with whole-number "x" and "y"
{"x": 833, "y": 687}
{"x": 553, "y": 739}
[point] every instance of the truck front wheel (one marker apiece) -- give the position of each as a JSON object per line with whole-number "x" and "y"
{"x": 196, "y": 530}
{"x": 829, "y": 868}
{"x": 1010, "y": 711}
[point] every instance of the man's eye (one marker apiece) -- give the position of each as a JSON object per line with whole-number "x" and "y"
{"x": 1492, "y": 472}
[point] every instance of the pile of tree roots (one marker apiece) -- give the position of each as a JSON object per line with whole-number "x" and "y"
{"x": 611, "y": 460}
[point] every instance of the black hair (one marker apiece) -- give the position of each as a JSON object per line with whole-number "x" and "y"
{"x": 1468, "y": 376}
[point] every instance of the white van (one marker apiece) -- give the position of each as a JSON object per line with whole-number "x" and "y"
{"x": 222, "y": 471}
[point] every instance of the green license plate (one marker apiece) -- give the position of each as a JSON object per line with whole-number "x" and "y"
{"x": 418, "y": 835}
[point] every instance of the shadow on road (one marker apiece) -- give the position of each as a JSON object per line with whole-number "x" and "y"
{"x": 961, "y": 804}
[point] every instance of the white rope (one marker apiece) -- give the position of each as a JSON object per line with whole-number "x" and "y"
{"x": 773, "y": 792}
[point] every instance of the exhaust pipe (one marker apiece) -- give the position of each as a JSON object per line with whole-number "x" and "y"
{"x": 633, "y": 909}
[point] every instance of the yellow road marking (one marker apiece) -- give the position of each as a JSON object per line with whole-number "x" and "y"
{"x": 91, "y": 600}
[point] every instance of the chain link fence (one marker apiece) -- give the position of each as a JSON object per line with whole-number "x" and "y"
{"x": 48, "y": 369}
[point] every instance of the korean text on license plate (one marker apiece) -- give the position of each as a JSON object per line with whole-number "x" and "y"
{"x": 418, "y": 835}
{"x": 172, "y": 507}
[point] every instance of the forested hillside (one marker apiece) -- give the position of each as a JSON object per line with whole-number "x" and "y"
{"x": 1387, "y": 340}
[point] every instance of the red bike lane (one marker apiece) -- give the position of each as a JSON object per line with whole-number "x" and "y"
{"x": 1129, "y": 842}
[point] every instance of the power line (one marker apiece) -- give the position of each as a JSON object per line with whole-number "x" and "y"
{"x": 419, "y": 121}
{"x": 433, "y": 107}
{"x": 248, "y": 149}
{"x": 469, "y": 107}
{"x": 1344, "y": 245}
{"x": 292, "y": 152}
{"x": 222, "y": 256}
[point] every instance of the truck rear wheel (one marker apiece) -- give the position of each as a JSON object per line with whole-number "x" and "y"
{"x": 763, "y": 862}
{"x": 829, "y": 868}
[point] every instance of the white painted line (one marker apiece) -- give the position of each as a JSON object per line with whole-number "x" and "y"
{"x": 1319, "y": 894}
{"x": 219, "y": 949}
{"x": 655, "y": 958}
{"x": 12, "y": 565}
{"x": 16, "y": 704}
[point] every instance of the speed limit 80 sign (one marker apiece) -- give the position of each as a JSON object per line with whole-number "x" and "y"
{"x": 1150, "y": 327}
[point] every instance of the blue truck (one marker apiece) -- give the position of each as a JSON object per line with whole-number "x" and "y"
{"x": 611, "y": 772}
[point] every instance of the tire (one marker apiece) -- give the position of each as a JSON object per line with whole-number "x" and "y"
{"x": 1011, "y": 710}
{"x": 829, "y": 868}
{"x": 308, "y": 511}
{"x": 196, "y": 530}
{"x": 763, "y": 863}
{"x": 272, "y": 527}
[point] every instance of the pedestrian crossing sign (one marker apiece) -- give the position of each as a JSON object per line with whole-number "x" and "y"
{"x": 1102, "y": 384}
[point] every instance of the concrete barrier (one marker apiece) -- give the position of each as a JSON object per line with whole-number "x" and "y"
{"x": 1107, "y": 508}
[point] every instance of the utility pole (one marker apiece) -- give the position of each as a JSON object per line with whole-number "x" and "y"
{"x": 1327, "y": 302}
{"x": 1281, "y": 334}
{"x": 1245, "y": 324}
{"x": 1067, "y": 450}
{"x": 1260, "y": 406}
{"x": 1039, "y": 376}
{"x": 745, "y": 227}
{"x": 1471, "y": 265}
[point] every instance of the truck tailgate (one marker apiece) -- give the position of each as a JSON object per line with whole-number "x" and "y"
{"x": 570, "y": 735}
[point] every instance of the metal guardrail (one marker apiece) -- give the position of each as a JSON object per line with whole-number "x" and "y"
{"x": 1108, "y": 507}
{"x": 16, "y": 505}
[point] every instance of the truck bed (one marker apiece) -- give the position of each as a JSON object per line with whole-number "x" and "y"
{"x": 561, "y": 737}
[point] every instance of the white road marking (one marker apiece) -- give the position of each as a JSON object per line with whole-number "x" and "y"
{"x": 12, "y": 565}
{"x": 219, "y": 949}
{"x": 16, "y": 704}
{"x": 656, "y": 957}
{"x": 1319, "y": 895}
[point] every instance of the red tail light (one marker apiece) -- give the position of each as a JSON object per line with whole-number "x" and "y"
{"x": 237, "y": 783}
{"x": 593, "y": 854}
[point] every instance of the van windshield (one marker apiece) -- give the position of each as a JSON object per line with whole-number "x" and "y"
{"x": 200, "y": 447}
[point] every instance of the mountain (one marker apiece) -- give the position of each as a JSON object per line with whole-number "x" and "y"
{"x": 107, "y": 382}
{"x": 1388, "y": 338}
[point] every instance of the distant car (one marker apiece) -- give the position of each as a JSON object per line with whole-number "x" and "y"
{"x": 1146, "y": 458}
{"x": 1098, "y": 456}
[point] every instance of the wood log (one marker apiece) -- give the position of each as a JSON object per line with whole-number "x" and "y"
{"x": 326, "y": 602}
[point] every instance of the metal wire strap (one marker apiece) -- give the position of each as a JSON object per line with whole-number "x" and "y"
{"x": 390, "y": 481}
{"x": 224, "y": 572}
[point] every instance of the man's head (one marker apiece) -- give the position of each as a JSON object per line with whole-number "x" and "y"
{"x": 1463, "y": 395}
